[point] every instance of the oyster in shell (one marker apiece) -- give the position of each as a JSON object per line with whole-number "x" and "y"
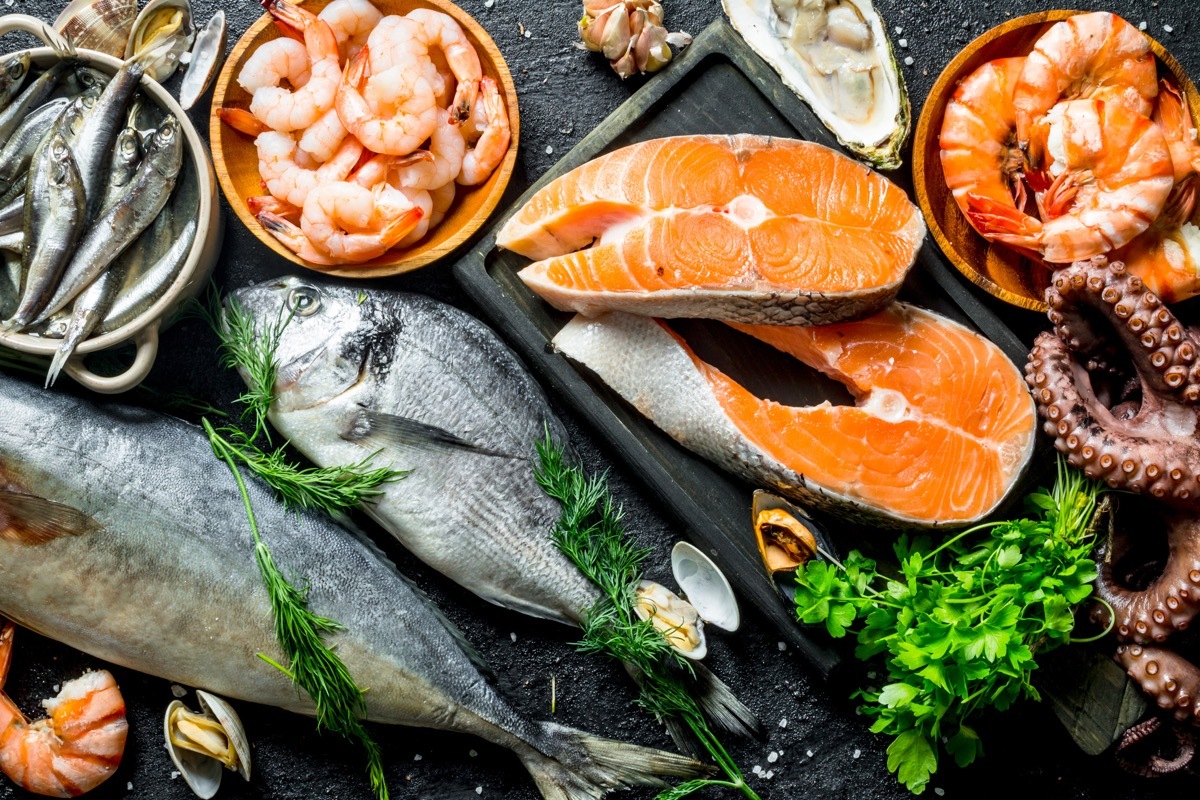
{"x": 836, "y": 55}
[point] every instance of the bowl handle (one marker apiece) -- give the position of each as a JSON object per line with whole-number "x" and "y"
{"x": 28, "y": 24}
{"x": 146, "y": 343}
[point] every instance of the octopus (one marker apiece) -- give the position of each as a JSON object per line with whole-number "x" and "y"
{"x": 1117, "y": 382}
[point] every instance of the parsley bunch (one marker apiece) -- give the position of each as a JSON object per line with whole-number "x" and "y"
{"x": 959, "y": 626}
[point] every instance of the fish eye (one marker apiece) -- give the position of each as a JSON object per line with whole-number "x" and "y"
{"x": 16, "y": 70}
{"x": 304, "y": 301}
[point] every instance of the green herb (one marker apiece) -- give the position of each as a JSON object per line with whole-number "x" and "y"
{"x": 959, "y": 625}
{"x": 591, "y": 534}
{"x": 314, "y": 667}
{"x": 312, "y": 664}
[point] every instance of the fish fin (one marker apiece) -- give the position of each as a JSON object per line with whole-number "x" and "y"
{"x": 721, "y": 707}
{"x": 572, "y": 765}
{"x": 375, "y": 428}
{"x": 476, "y": 658}
{"x": 28, "y": 519}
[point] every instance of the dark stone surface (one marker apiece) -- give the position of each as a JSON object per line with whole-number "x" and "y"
{"x": 825, "y": 748}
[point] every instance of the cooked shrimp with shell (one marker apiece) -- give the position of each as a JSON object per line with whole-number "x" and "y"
{"x": 410, "y": 103}
{"x": 1078, "y": 148}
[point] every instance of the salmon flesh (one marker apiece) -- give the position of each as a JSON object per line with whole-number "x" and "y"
{"x": 942, "y": 429}
{"x": 751, "y": 229}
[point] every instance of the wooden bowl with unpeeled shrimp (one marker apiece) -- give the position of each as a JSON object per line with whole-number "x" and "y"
{"x": 236, "y": 159}
{"x": 997, "y": 269}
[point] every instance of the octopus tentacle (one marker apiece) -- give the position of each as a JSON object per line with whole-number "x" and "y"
{"x": 1164, "y": 352}
{"x": 1092, "y": 439}
{"x": 1169, "y": 678}
{"x": 1170, "y": 602}
{"x": 1155, "y": 764}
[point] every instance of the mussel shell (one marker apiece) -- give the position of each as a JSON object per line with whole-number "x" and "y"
{"x": 203, "y": 774}
{"x": 781, "y": 579}
{"x": 207, "y": 56}
{"x": 705, "y": 587}
{"x": 159, "y": 21}
{"x": 232, "y": 723}
{"x": 102, "y": 25}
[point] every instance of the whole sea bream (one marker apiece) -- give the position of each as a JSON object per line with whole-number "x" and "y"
{"x": 432, "y": 391}
{"x": 121, "y": 535}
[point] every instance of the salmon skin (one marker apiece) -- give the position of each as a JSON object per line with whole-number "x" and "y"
{"x": 750, "y": 229}
{"x": 942, "y": 430}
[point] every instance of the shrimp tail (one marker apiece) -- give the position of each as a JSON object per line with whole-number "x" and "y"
{"x": 9, "y": 713}
{"x": 1004, "y": 223}
{"x": 1063, "y": 189}
{"x": 292, "y": 237}
{"x": 282, "y": 208}
{"x": 242, "y": 121}
{"x": 400, "y": 227}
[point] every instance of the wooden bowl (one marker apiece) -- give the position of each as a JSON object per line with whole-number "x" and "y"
{"x": 236, "y": 159}
{"x": 142, "y": 332}
{"x": 995, "y": 268}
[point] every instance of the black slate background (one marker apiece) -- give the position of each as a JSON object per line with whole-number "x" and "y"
{"x": 825, "y": 749}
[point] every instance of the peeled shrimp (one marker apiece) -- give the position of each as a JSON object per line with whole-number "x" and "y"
{"x": 281, "y": 165}
{"x": 979, "y": 152}
{"x": 1111, "y": 173}
{"x": 440, "y": 31}
{"x": 290, "y": 110}
{"x": 443, "y": 198}
{"x": 487, "y": 153}
{"x": 441, "y": 164}
{"x": 399, "y": 133}
{"x": 1088, "y": 55}
{"x": 352, "y": 22}
{"x": 350, "y": 223}
{"x": 76, "y": 748}
{"x": 322, "y": 139}
{"x": 273, "y": 63}
{"x": 421, "y": 199}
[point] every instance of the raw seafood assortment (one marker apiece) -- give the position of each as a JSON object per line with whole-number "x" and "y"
{"x": 1078, "y": 149}
{"x": 1076, "y": 152}
{"x": 749, "y": 229}
{"x": 365, "y": 126}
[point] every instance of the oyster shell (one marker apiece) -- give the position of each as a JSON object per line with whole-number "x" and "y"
{"x": 836, "y": 55}
{"x": 160, "y": 22}
{"x": 674, "y": 617}
{"x": 102, "y": 25}
{"x": 705, "y": 587}
{"x": 206, "y": 59}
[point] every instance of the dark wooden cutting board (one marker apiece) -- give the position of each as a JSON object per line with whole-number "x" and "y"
{"x": 718, "y": 85}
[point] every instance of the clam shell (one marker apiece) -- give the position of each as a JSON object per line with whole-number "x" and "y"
{"x": 160, "y": 21}
{"x": 705, "y": 587}
{"x": 102, "y": 25}
{"x": 672, "y": 605}
{"x": 202, "y": 774}
{"x": 207, "y": 56}
{"x": 232, "y": 724}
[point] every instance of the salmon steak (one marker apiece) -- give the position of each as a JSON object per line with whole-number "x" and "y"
{"x": 751, "y": 229}
{"x": 941, "y": 432}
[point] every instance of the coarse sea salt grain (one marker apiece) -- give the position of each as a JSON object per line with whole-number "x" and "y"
{"x": 908, "y": 61}
{"x": 178, "y": 690}
{"x": 783, "y": 722}
{"x": 418, "y": 757}
{"x": 782, "y": 646}
{"x": 489, "y": 3}
{"x": 1168, "y": 28}
{"x": 808, "y": 753}
{"x": 1142, "y": 25}
{"x": 857, "y": 752}
{"x": 478, "y": 790}
{"x": 772, "y": 757}
{"x": 757, "y": 770}
{"x": 903, "y": 42}
{"x": 528, "y": 34}
{"x": 472, "y": 753}
{"x": 513, "y": 636}
{"x": 549, "y": 149}
{"x": 939, "y": 791}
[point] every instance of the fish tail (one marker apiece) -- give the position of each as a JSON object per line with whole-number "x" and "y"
{"x": 573, "y": 765}
{"x": 721, "y": 708}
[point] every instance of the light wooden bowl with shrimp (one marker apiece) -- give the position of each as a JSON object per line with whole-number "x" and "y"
{"x": 995, "y": 268}
{"x": 236, "y": 159}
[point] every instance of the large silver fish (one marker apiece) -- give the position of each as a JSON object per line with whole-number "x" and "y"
{"x": 121, "y": 535}
{"x": 428, "y": 388}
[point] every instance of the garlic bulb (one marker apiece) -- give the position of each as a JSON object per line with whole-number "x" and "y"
{"x": 630, "y": 34}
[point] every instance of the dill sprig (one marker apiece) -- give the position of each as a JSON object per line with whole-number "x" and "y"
{"x": 314, "y": 667}
{"x": 312, "y": 664}
{"x": 591, "y": 533}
